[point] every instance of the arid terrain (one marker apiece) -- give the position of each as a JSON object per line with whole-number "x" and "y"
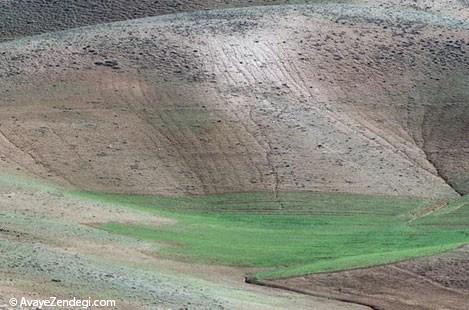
{"x": 208, "y": 98}
{"x": 439, "y": 282}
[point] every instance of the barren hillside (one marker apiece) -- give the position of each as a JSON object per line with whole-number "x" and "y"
{"x": 29, "y": 17}
{"x": 362, "y": 99}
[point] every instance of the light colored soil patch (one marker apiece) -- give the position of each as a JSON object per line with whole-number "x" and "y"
{"x": 69, "y": 209}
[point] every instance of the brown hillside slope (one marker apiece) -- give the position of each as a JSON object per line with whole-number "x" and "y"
{"x": 29, "y": 17}
{"x": 371, "y": 101}
{"x": 453, "y": 7}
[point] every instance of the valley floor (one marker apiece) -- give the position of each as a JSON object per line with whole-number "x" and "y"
{"x": 154, "y": 252}
{"x": 49, "y": 247}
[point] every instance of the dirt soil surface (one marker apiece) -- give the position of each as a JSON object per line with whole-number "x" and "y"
{"x": 213, "y": 102}
{"x": 29, "y": 17}
{"x": 439, "y": 282}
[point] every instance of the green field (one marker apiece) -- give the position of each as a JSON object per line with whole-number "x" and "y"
{"x": 301, "y": 233}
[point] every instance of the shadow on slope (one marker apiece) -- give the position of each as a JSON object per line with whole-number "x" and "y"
{"x": 340, "y": 99}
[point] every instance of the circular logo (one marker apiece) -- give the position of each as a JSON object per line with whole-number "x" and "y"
{"x": 13, "y": 302}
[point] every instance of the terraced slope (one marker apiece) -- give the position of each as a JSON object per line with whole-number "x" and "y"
{"x": 341, "y": 99}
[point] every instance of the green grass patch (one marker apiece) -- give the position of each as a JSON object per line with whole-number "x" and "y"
{"x": 302, "y": 233}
